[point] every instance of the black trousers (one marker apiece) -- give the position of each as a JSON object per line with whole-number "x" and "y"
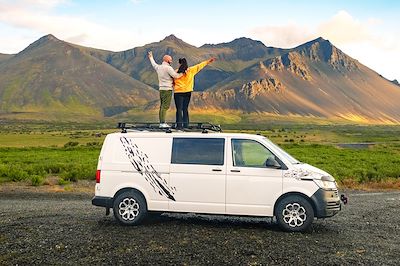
{"x": 182, "y": 101}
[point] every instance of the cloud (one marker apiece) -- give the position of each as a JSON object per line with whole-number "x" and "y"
{"x": 363, "y": 40}
{"x": 38, "y": 17}
{"x": 285, "y": 36}
{"x": 343, "y": 28}
{"x": 43, "y": 3}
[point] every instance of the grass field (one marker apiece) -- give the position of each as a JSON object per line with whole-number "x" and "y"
{"x": 36, "y": 164}
{"x": 69, "y": 152}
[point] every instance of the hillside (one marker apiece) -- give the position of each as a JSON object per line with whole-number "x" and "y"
{"x": 51, "y": 76}
{"x": 315, "y": 79}
{"x": 232, "y": 57}
{"x": 4, "y": 57}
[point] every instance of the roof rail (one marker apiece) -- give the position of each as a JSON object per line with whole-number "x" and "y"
{"x": 203, "y": 127}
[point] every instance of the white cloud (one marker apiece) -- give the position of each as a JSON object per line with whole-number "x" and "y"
{"x": 343, "y": 28}
{"x": 284, "y": 36}
{"x": 38, "y": 16}
{"x": 363, "y": 40}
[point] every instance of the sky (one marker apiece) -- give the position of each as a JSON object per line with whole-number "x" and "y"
{"x": 368, "y": 31}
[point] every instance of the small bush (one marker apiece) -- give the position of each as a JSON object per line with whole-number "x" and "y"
{"x": 16, "y": 174}
{"x": 71, "y": 175}
{"x": 94, "y": 143}
{"x": 63, "y": 182}
{"x": 71, "y": 144}
{"x": 37, "y": 180}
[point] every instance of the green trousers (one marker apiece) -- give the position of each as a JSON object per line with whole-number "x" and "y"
{"x": 165, "y": 102}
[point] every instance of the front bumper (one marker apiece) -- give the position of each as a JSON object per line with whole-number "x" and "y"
{"x": 103, "y": 201}
{"x": 326, "y": 202}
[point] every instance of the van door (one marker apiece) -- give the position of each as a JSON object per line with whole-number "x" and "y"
{"x": 254, "y": 178}
{"x": 198, "y": 173}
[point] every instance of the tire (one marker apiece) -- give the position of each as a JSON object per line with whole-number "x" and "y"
{"x": 129, "y": 208}
{"x": 294, "y": 214}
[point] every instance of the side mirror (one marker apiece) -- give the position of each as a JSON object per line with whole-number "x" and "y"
{"x": 272, "y": 163}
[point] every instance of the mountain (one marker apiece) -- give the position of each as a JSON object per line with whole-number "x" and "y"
{"x": 231, "y": 58}
{"x": 53, "y": 77}
{"x": 136, "y": 64}
{"x": 4, "y": 57}
{"x": 244, "y": 49}
{"x": 315, "y": 79}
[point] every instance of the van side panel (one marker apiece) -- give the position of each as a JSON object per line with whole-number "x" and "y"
{"x": 138, "y": 162}
{"x": 199, "y": 188}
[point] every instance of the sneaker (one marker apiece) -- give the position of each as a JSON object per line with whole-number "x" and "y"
{"x": 164, "y": 125}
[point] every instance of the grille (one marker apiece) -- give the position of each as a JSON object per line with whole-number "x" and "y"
{"x": 333, "y": 205}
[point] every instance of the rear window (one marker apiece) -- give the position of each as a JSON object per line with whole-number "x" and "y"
{"x": 205, "y": 151}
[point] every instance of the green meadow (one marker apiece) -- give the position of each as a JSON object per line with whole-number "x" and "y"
{"x": 37, "y": 152}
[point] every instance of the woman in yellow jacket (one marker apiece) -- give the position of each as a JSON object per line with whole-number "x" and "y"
{"x": 183, "y": 88}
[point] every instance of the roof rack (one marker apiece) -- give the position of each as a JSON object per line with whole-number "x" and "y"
{"x": 203, "y": 127}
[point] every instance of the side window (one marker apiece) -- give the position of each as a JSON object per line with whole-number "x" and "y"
{"x": 250, "y": 153}
{"x": 205, "y": 151}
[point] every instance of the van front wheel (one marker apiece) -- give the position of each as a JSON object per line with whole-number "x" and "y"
{"x": 129, "y": 208}
{"x": 294, "y": 214}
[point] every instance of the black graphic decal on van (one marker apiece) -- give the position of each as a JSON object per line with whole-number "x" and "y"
{"x": 141, "y": 163}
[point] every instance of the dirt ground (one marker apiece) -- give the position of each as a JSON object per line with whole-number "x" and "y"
{"x": 54, "y": 226}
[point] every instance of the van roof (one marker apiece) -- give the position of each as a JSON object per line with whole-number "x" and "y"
{"x": 203, "y": 127}
{"x": 183, "y": 134}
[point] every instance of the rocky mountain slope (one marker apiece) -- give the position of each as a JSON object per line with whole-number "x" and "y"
{"x": 232, "y": 57}
{"x": 52, "y": 76}
{"x": 315, "y": 79}
{"x": 4, "y": 57}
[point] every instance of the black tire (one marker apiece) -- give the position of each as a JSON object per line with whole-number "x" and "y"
{"x": 130, "y": 208}
{"x": 294, "y": 214}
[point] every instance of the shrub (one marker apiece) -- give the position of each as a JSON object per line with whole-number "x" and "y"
{"x": 63, "y": 182}
{"x": 71, "y": 144}
{"x": 71, "y": 175}
{"x": 16, "y": 174}
{"x": 93, "y": 143}
{"x": 37, "y": 180}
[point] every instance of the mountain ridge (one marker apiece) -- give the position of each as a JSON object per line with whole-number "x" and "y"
{"x": 53, "y": 76}
{"x": 314, "y": 79}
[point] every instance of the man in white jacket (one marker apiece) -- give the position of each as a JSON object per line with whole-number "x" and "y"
{"x": 166, "y": 75}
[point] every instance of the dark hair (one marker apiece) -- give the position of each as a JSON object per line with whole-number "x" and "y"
{"x": 183, "y": 65}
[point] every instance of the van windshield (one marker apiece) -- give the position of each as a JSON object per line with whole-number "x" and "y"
{"x": 281, "y": 152}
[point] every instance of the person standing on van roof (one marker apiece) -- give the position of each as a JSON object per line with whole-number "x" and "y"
{"x": 166, "y": 74}
{"x": 183, "y": 88}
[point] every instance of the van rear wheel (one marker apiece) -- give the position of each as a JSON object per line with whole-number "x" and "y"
{"x": 129, "y": 208}
{"x": 294, "y": 214}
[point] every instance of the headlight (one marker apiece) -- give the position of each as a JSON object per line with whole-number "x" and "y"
{"x": 326, "y": 182}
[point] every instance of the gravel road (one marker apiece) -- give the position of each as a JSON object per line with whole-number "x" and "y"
{"x": 64, "y": 228}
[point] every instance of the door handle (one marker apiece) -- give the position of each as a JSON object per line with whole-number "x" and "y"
{"x": 216, "y": 170}
{"x": 235, "y": 171}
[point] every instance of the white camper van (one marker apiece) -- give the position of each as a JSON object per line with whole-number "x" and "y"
{"x": 203, "y": 170}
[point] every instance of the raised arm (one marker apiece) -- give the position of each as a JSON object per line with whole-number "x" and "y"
{"x": 153, "y": 63}
{"x": 173, "y": 73}
{"x": 198, "y": 67}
